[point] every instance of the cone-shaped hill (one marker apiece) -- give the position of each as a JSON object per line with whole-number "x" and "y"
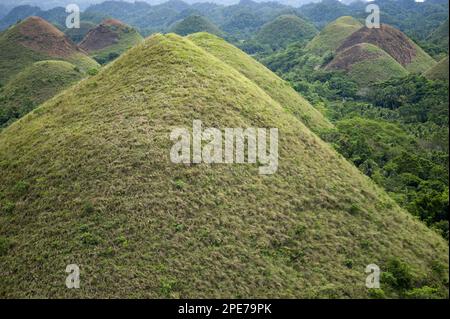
{"x": 278, "y": 89}
{"x": 194, "y": 24}
{"x": 365, "y": 63}
{"x": 32, "y": 40}
{"x": 439, "y": 71}
{"x": 284, "y": 30}
{"x": 109, "y": 40}
{"x": 332, "y": 36}
{"x": 34, "y": 85}
{"x": 91, "y": 182}
{"x": 395, "y": 43}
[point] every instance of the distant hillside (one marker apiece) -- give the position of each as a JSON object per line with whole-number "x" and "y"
{"x": 194, "y": 24}
{"x": 440, "y": 36}
{"x": 284, "y": 30}
{"x": 77, "y": 34}
{"x": 332, "y": 36}
{"x": 35, "y": 40}
{"x": 34, "y": 85}
{"x": 325, "y": 11}
{"x": 439, "y": 71}
{"x": 274, "y": 86}
{"x": 92, "y": 183}
{"x": 109, "y": 40}
{"x": 365, "y": 63}
{"x": 395, "y": 43}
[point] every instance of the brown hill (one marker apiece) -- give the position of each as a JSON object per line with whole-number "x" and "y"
{"x": 395, "y": 43}
{"x": 41, "y": 36}
{"x": 104, "y": 35}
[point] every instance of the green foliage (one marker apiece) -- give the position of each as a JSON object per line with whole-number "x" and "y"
{"x": 194, "y": 24}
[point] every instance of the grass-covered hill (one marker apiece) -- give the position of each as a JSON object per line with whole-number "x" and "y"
{"x": 439, "y": 36}
{"x": 92, "y": 183}
{"x": 275, "y": 87}
{"x": 395, "y": 43}
{"x": 284, "y": 30}
{"x": 332, "y": 36}
{"x": 34, "y": 85}
{"x": 194, "y": 24}
{"x": 366, "y": 63}
{"x": 109, "y": 40}
{"x": 439, "y": 71}
{"x": 77, "y": 34}
{"x": 33, "y": 40}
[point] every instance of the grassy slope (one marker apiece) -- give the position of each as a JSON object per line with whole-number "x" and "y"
{"x": 421, "y": 62}
{"x": 277, "y": 88}
{"x": 77, "y": 35}
{"x": 284, "y": 30}
{"x": 34, "y": 85}
{"x": 439, "y": 71}
{"x": 91, "y": 183}
{"x": 332, "y": 36}
{"x": 194, "y": 24}
{"x": 14, "y": 57}
{"x": 440, "y": 36}
{"x": 377, "y": 68}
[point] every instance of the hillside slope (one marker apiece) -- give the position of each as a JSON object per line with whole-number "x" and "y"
{"x": 277, "y": 88}
{"x": 32, "y": 40}
{"x": 92, "y": 183}
{"x": 284, "y": 30}
{"x": 34, "y": 85}
{"x": 332, "y": 36}
{"x": 395, "y": 43}
{"x": 439, "y": 71}
{"x": 365, "y": 64}
{"x": 109, "y": 40}
{"x": 194, "y": 24}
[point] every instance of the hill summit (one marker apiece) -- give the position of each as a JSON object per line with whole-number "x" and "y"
{"x": 92, "y": 183}
{"x": 194, "y": 24}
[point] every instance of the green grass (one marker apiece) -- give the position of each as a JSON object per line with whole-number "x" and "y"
{"x": 194, "y": 24}
{"x": 291, "y": 234}
{"x": 34, "y": 85}
{"x": 333, "y": 35}
{"x": 284, "y": 30}
{"x": 275, "y": 87}
{"x": 421, "y": 62}
{"x": 14, "y": 57}
{"x": 439, "y": 71}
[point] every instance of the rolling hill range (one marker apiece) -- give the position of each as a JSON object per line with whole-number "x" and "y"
{"x": 284, "y": 30}
{"x": 109, "y": 40}
{"x": 92, "y": 183}
{"x": 332, "y": 36}
{"x": 34, "y": 85}
{"x": 33, "y": 40}
{"x": 194, "y": 24}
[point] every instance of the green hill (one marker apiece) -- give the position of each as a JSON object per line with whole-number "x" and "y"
{"x": 77, "y": 35}
{"x": 33, "y": 40}
{"x": 194, "y": 24}
{"x": 395, "y": 43}
{"x": 92, "y": 183}
{"x": 332, "y": 36}
{"x": 109, "y": 40}
{"x": 439, "y": 36}
{"x": 439, "y": 71}
{"x": 34, "y": 85}
{"x": 284, "y": 30}
{"x": 275, "y": 87}
{"x": 365, "y": 64}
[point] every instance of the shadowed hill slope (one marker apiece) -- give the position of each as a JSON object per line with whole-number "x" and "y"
{"x": 34, "y": 85}
{"x": 284, "y": 30}
{"x": 35, "y": 40}
{"x": 92, "y": 183}
{"x": 332, "y": 36}
{"x": 277, "y": 88}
